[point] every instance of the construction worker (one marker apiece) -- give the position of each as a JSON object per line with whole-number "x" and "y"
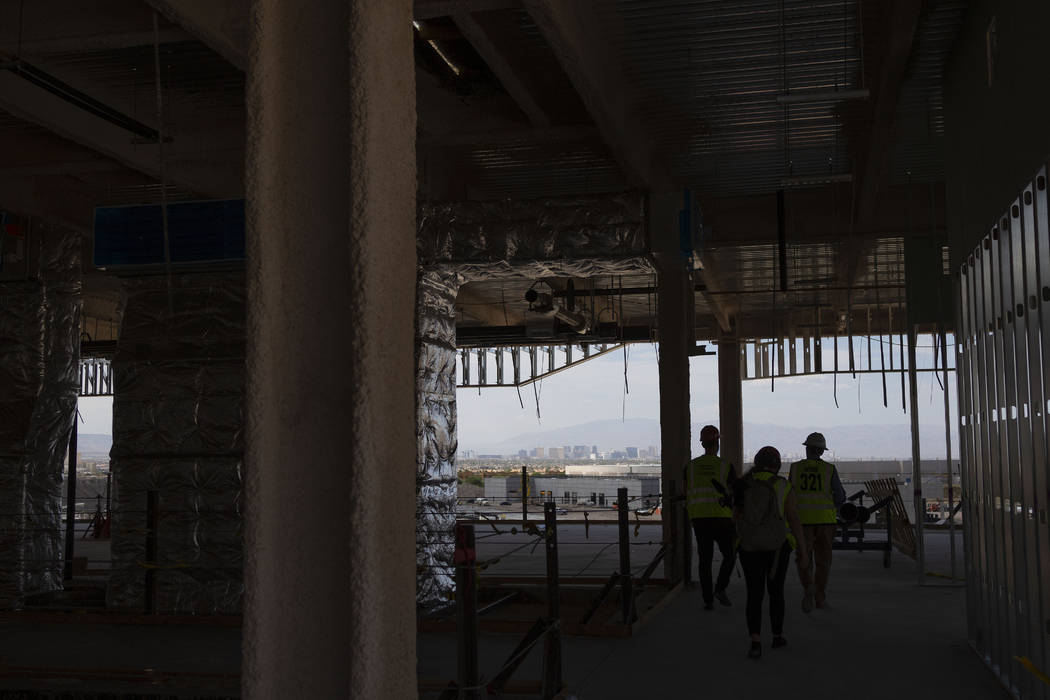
{"x": 820, "y": 494}
{"x": 712, "y": 521}
{"x": 767, "y": 521}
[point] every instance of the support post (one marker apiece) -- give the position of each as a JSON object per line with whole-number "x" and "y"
{"x": 152, "y": 524}
{"x": 674, "y": 406}
{"x": 626, "y": 582}
{"x": 467, "y": 613}
{"x": 730, "y": 403}
{"x": 331, "y": 150}
{"x": 524, "y": 496}
{"x": 948, "y": 448}
{"x": 71, "y": 502}
{"x": 552, "y": 677}
{"x": 916, "y": 463}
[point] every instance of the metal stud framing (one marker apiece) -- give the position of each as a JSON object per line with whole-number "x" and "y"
{"x": 1003, "y": 304}
{"x": 542, "y": 362}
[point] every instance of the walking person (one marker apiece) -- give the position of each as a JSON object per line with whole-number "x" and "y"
{"x": 820, "y": 494}
{"x": 712, "y": 521}
{"x": 765, "y": 511}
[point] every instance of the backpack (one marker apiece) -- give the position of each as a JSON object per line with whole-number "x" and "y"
{"x": 760, "y": 526}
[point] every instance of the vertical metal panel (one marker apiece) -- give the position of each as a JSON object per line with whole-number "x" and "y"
{"x": 979, "y": 499}
{"x": 1011, "y": 372}
{"x": 992, "y": 526}
{"x": 483, "y": 366}
{"x": 499, "y": 366}
{"x": 806, "y": 359}
{"x": 1026, "y": 514}
{"x": 1042, "y": 478}
{"x": 793, "y": 359}
{"x": 965, "y": 428}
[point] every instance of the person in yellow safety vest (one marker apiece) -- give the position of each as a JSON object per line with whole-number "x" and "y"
{"x": 767, "y": 519}
{"x": 712, "y": 521}
{"x": 820, "y": 494}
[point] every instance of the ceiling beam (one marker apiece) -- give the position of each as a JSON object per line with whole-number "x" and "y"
{"x": 63, "y": 26}
{"x": 429, "y": 9}
{"x": 495, "y": 43}
{"x": 902, "y": 25}
{"x": 208, "y": 162}
{"x": 222, "y": 25}
{"x": 573, "y": 32}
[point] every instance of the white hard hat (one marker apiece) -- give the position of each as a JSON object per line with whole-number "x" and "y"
{"x": 816, "y": 440}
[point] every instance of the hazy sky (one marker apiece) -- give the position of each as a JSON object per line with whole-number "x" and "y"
{"x": 595, "y": 390}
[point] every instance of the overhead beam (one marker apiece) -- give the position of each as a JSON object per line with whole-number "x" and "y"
{"x": 572, "y": 31}
{"x": 220, "y": 24}
{"x": 209, "y": 162}
{"x": 495, "y": 45}
{"x": 902, "y": 26}
{"x": 429, "y": 9}
{"x": 63, "y": 26}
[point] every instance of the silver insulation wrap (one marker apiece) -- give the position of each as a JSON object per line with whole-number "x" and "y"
{"x": 435, "y": 437}
{"x": 460, "y": 242}
{"x": 509, "y": 231}
{"x": 178, "y": 415}
{"x": 39, "y": 350}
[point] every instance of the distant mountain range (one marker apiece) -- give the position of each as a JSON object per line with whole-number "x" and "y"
{"x": 850, "y": 441}
{"x": 94, "y": 444}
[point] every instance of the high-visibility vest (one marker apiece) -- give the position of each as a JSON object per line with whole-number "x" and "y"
{"x": 702, "y": 498}
{"x": 812, "y": 481}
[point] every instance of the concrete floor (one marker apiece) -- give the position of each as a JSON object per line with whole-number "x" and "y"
{"x": 884, "y": 637}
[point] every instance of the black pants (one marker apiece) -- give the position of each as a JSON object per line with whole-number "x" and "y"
{"x": 708, "y": 531}
{"x": 761, "y": 576}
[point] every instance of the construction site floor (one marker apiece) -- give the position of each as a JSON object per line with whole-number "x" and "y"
{"x": 884, "y": 637}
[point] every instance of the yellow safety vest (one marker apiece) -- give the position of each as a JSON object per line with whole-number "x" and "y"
{"x": 812, "y": 480}
{"x": 782, "y": 487}
{"x": 702, "y": 497}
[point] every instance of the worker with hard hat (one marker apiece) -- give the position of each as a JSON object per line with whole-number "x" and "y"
{"x": 820, "y": 494}
{"x": 711, "y": 517}
{"x": 768, "y": 525}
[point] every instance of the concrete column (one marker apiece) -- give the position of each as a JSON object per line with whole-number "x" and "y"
{"x": 730, "y": 403}
{"x": 676, "y": 337}
{"x": 330, "y": 570}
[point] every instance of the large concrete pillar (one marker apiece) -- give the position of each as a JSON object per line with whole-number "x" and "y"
{"x": 330, "y": 570}
{"x": 730, "y": 403}
{"x": 39, "y": 348}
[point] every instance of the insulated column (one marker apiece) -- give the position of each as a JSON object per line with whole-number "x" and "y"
{"x": 39, "y": 349}
{"x": 435, "y": 438}
{"x": 330, "y": 486}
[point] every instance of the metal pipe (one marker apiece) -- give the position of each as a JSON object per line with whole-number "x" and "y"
{"x": 466, "y": 613}
{"x": 625, "y": 556}
{"x": 71, "y": 501}
{"x": 948, "y": 447}
{"x": 916, "y": 465}
{"x": 782, "y": 240}
{"x": 552, "y": 671}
